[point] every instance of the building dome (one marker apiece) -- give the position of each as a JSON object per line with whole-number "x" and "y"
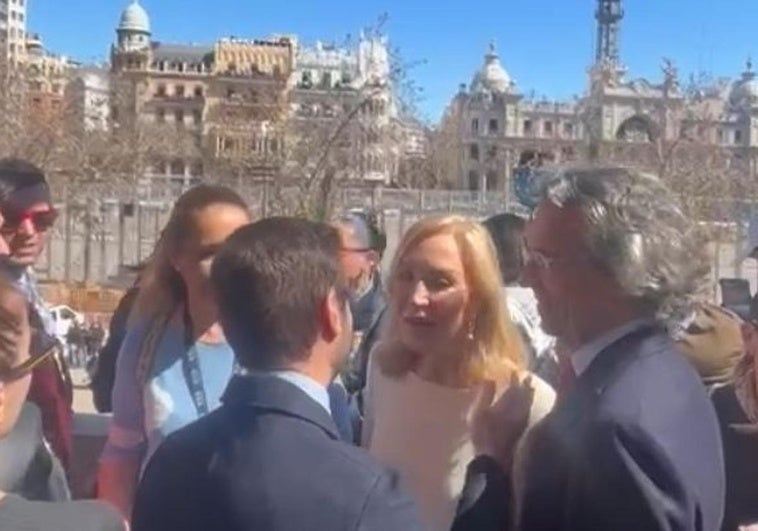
{"x": 492, "y": 77}
{"x": 745, "y": 91}
{"x": 134, "y": 18}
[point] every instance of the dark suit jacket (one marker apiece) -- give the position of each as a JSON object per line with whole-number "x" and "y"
{"x": 53, "y": 392}
{"x": 269, "y": 459}
{"x": 634, "y": 446}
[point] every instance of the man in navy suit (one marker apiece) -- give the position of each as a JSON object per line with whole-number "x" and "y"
{"x": 633, "y": 442}
{"x": 270, "y": 458}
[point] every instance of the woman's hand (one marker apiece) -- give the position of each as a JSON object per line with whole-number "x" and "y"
{"x": 497, "y": 428}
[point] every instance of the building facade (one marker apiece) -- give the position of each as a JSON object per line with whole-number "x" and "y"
{"x": 493, "y": 130}
{"x": 13, "y": 28}
{"x": 88, "y": 96}
{"x": 258, "y": 109}
{"x": 344, "y": 102}
{"x": 47, "y": 76}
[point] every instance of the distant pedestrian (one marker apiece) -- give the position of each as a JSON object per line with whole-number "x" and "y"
{"x": 94, "y": 341}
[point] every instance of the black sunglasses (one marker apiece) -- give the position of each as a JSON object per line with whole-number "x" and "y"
{"x": 19, "y": 371}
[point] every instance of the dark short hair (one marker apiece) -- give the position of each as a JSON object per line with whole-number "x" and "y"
{"x": 506, "y": 231}
{"x": 17, "y": 174}
{"x": 271, "y": 279}
{"x": 365, "y": 226}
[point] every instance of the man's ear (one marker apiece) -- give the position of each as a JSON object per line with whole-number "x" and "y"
{"x": 332, "y": 316}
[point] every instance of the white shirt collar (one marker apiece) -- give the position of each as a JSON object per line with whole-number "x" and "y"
{"x": 583, "y": 357}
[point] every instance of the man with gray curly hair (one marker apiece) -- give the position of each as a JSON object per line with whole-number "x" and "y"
{"x": 633, "y": 442}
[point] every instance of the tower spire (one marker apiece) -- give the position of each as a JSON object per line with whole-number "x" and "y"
{"x": 608, "y": 15}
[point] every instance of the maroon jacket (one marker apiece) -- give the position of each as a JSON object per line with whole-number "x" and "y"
{"x": 51, "y": 390}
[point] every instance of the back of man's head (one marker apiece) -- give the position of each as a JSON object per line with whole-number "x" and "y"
{"x": 506, "y": 231}
{"x": 273, "y": 279}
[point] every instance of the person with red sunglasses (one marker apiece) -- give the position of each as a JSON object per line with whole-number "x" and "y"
{"x": 28, "y": 216}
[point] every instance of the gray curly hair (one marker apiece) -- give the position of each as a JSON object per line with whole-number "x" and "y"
{"x": 637, "y": 229}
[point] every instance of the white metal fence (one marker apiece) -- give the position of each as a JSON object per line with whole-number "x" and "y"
{"x": 102, "y": 228}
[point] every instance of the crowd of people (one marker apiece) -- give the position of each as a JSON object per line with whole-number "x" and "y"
{"x": 559, "y": 373}
{"x": 84, "y": 343}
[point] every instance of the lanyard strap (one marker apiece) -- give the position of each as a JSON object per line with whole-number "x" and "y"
{"x": 191, "y": 369}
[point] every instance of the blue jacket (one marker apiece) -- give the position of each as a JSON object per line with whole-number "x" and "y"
{"x": 269, "y": 459}
{"x": 634, "y": 446}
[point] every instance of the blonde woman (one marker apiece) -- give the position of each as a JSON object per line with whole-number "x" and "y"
{"x": 448, "y": 338}
{"x": 174, "y": 363}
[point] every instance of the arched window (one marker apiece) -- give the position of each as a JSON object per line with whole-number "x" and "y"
{"x": 635, "y": 129}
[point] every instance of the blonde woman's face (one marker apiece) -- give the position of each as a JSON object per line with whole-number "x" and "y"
{"x": 430, "y": 296}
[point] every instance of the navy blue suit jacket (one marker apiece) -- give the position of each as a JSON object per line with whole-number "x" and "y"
{"x": 634, "y": 446}
{"x": 269, "y": 459}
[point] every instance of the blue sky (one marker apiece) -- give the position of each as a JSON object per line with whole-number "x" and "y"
{"x": 545, "y": 45}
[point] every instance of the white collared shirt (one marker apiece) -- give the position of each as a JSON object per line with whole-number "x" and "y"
{"x": 583, "y": 357}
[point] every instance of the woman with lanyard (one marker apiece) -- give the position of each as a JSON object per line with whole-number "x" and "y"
{"x": 174, "y": 362}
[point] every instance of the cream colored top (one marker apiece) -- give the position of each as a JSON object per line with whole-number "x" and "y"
{"x": 421, "y": 429}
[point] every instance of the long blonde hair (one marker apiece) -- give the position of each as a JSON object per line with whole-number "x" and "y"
{"x": 498, "y": 350}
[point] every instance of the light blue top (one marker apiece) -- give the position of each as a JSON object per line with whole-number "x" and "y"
{"x": 144, "y": 415}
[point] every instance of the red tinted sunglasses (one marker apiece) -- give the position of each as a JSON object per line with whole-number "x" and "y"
{"x": 41, "y": 220}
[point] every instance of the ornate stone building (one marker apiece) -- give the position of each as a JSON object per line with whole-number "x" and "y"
{"x": 47, "y": 76}
{"x": 13, "y": 28}
{"x": 491, "y": 130}
{"x": 88, "y": 97}
{"x": 254, "y": 106}
{"x": 348, "y": 90}
{"x": 220, "y": 101}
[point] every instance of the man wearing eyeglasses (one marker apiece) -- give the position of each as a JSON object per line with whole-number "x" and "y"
{"x": 361, "y": 248}
{"x": 29, "y": 216}
{"x": 633, "y": 442}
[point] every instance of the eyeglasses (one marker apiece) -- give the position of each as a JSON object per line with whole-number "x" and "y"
{"x": 538, "y": 259}
{"x": 543, "y": 261}
{"x": 355, "y": 249}
{"x": 41, "y": 220}
{"x": 19, "y": 371}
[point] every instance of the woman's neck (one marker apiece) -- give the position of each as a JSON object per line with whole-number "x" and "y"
{"x": 203, "y": 314}
{"x": 442, "y": 368}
